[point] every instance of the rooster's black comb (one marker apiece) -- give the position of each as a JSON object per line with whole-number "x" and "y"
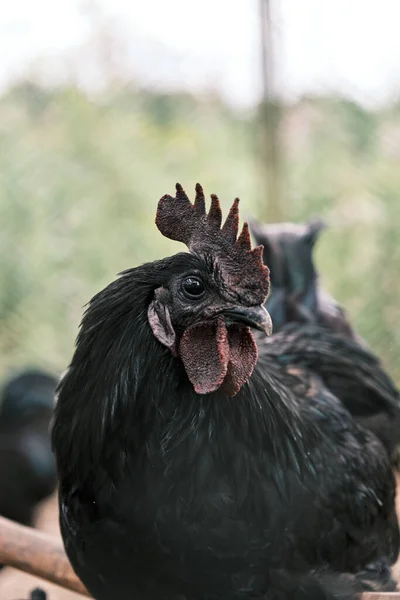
{"x": 180, "y": 220}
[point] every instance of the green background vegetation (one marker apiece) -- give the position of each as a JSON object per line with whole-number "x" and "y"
{"x": 80, "y": 177}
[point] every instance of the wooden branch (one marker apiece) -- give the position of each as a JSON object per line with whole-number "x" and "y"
{"x": 381, "y": 596}
{"x": 37, "y": 553}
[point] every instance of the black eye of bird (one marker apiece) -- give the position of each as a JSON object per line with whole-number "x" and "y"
{"x": 193, "y": 287}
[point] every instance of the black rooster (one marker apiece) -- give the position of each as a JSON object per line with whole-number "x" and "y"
{"x": 295, "y": 291}
{"x": 328, "y": 345}
{"x": 190, "y": 466}
{"x": 27, "y": 465}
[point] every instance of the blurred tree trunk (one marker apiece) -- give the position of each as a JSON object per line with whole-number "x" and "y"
{"x": 271, "y": 206}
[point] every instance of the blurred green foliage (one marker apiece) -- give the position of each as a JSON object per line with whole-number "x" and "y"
{"x": 80, "y": 178}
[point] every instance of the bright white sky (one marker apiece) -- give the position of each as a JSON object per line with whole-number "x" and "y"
{"x": 352, "y": 46}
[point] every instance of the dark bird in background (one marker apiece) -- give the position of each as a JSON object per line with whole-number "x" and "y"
{"x": 194, "y": 465}
{"x": 328, "y": 345}
{"x": 296, "y": 295}
{"x": 27, "y": 466}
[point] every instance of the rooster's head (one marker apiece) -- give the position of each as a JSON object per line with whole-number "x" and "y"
{"x": 205, "y": 311}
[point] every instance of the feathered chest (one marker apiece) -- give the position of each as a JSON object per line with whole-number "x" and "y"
{"x": 187, "y": 493}
{"x": 198, "y": 513}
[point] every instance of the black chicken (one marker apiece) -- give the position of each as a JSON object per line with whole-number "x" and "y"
{"x": 295, "y": 292}
{"x": 173, "y": 489}
{"x": 328, "y": 345}
{"x": 27, "y": 465}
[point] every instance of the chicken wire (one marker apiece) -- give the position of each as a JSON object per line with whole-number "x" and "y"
{"x": 93, "y": 134}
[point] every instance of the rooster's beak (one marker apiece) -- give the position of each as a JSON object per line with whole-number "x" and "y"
{"x": 255, "y": 316}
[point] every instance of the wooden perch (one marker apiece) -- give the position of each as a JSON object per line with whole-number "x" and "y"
{"x": 37, "y": 553}
{"x": 381, "y": 596}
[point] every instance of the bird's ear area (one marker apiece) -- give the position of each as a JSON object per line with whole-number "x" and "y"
{"x": 313, "y": 229}
{"x": 160, "y": 322}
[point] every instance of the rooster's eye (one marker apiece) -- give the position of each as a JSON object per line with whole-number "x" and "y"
{"x": 193, "y": 287}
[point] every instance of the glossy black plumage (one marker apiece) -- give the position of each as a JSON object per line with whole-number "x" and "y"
{"x": 350, "y": 371}
{"x": 327, "y": 345}
{"x": 27, "y": 466}
{"x": 171, "y": 495}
